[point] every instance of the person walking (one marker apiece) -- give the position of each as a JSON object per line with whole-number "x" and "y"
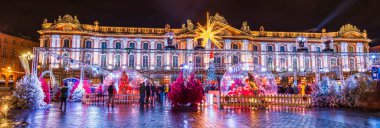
{"x": 142, "y": 92}
{"x": 147, "y": 89}
{"x": 64, "y": 94}
{"x": 111, "y": 94}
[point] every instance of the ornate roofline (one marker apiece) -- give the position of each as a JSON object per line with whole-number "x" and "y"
{"x": 68, "y": 23}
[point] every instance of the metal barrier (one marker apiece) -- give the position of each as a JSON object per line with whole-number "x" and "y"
{"x": 94, "y": 98}
{"x": 278, "y": 100}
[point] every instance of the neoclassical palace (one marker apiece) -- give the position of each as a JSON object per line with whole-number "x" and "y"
{"x": 160, "y": 52}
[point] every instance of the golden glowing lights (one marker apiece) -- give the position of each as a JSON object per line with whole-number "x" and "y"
{"x": 208, "y": 33}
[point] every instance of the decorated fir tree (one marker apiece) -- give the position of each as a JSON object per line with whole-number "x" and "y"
{"x": 77, "y": 92}
{"x": 211, "y": 73}
{"x": 46, "y": 89}
{"x": 326, "y": 93}
{"x": 28, "y": 94}
{"x": 123, "y": 83}
{"x": 185, "y": 93}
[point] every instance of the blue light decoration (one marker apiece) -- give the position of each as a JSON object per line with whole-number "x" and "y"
{"x": 375, "y": 72}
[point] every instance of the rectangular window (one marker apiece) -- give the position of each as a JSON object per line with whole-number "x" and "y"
{"x": 218, "y": 61}
{"x": 131, "y": 61}
{"x": 159, "y": 61}
{"x": 175, "y": 61}
{"x": 198, "y": 61}
{"x": 103, "y": 61}
{"x": 145, "y": 61}
{"x": 117, "y": 61}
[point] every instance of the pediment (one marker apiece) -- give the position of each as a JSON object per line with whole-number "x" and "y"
{"x": 66, "y": 27}
{"x": 229, "y": 30}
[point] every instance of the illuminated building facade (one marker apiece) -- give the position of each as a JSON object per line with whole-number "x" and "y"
{"x": 11, "y": 47}
{"x": 144, "y": 49}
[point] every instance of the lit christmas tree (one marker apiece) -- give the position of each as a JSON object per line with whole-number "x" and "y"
{"x": 185, "y": 93}
{"x": 211, "y": 73}
{"x": 123, "y": 84}
{"x": 28, "y": 94}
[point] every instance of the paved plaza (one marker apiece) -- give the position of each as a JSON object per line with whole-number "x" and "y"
{"x": 133, "y": 115}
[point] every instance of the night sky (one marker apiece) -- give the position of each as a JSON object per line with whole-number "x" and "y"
{"x": 25, "y": 17}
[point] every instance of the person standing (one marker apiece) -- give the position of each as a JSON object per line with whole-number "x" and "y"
{"x": 154, "y": 93}
{"x": 161, "y": 91}
{"x": 111, "y": 94}
{"x": 166, "y": 91}
{"x": 142, "y": 92}
{"x": 147, "y": 89}
{"x": 64, "y": 94}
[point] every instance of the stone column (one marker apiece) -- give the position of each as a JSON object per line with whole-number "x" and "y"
{"x": 152, "y": 58}
{"x": 138, "y": 55}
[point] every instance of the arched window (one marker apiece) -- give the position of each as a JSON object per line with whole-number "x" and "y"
{"x": 351, "y": 48}
{"x": 46, "y": 43}
{"x": 88, "y": 59}
{"x": 283, "y": 64}
{"x": 66, "y": 43}
{"x": 159, "y": 61}
{"x": 294, "y": 49}
{"x": 269, "y": 48}
{"x": 88, "y": 44}
{"x": 235, "y": 46}
{"x": 255, "y": 48}
{"x": 131, "y": 60}
{"x": 145, "y": 61}
{"x": 118, "y": 45}
{"x": 132, "y": 45}
{"x": 175, "y": 61}
{"x": 117, "y": 61}
{"x": 103, "y": 60}
{"x": 104, "y": 45}
{"x": 352, "y": 63}
{"x": 145, "y": 46}
{"x": 333, "y": 62}
{"x": 255, "y": 60}
{"x": 282, "y": 48}
{"x": 295, "y": 66}
{"x": 2, "y": 77}
{"x": 159, "y": 46}
{"x": 318, "y": 49}
{"x": 10, "y": 77}
{"x": 270, "y": 64}
{"x": 235, "y": 59}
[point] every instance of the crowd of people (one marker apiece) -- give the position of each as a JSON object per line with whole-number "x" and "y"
{"x": 151, "y": 93}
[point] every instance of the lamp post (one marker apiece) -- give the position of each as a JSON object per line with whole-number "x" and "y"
{"x": 25, "y": 58}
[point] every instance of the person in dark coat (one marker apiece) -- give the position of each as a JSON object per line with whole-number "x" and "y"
{"x": 111, "y": 94}
{"x": 147, "y": 89}
{"x": 142, "y": 92}
{"x": 162, "y": 92}
{"x": 64, "y": 94}
{"x": 154, "y": 92}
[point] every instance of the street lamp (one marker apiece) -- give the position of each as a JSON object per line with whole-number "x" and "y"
{"x": 28, "y": 56}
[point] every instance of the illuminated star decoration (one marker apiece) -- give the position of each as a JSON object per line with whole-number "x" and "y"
{"x": 208, "y": 33}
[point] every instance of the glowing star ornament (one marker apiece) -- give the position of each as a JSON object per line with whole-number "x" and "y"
{"x": 208, "y": 33}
